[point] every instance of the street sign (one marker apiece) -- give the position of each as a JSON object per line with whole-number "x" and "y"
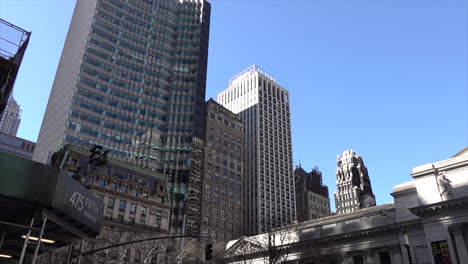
{"x": 77, "y": 202}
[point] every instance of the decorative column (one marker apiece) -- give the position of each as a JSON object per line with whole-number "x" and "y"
{"x": 457, "y": 231}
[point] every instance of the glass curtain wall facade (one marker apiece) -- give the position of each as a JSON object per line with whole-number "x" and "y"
{"x": 263, "y": 106}
{"x": 132, "y": 78}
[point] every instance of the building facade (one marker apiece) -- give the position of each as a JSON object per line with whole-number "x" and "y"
{"x": 263, "y": 107}
{"x": 10, "y": 121}
{"x": 133, "y": 197}
{"x": 223, "y": 174}
{"x": 426, "y": 224}
{"x": 13, "y": 45}
{"x": 16, "y": 146}
{"x": 136, "y": 203}
{"x": 354, "y": 190}
{"x": 312, "y": 199}
{"x": 132, "y": 78}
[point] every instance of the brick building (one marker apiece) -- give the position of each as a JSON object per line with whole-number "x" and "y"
{"x": 312, "y": 200}
{"x": 223, "y": 174}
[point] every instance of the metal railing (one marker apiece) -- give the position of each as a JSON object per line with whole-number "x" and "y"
{"x": 11, "y": 39}
{"x": 253, "y": 68}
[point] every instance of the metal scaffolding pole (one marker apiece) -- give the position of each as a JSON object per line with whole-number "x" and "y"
{"x": 81, "y": 250}
{"x": 25, "y": 244}
{"x": 70, "y": 249}
{"x": 3, "y": 238}
{"x": 39, "y": 240}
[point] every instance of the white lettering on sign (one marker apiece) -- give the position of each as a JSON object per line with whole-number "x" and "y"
{"x": 77, "y": 201}
{"x": 91, "y": 210}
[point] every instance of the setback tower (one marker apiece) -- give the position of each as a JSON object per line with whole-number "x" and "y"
{"x": 354, "y": 190}
{"x": 263, "y": 107}
{"x": 11, "y": 119}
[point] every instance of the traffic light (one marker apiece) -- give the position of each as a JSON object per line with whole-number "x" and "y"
{"x": 208, "y": 251}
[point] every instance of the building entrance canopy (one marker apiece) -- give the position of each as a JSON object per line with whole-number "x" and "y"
{"x": 30, "y": 190}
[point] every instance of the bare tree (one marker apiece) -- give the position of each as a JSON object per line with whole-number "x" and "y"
{"x": 272, "y": 247}
{"x": 277, "y": 245}
{"x": 193, "y": 248}
{"x": 318, "y": 253}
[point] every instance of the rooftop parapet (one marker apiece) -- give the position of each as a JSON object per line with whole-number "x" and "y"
{"x": 253, "y": 68}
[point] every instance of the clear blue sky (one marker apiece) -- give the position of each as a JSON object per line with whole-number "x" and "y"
{"x": 386, "y": 78}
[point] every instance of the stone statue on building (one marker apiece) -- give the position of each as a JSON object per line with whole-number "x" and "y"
{"x": 354, "y": 189}
{"x": 443, "y": 183}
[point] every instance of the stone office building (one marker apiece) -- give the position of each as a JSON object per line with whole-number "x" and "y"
{"x": 263, "y": 106}
{"x": 426, "y": 224}
{"x": 223, "y": 174}
{"x": 11, "y": 119}
{"x": 354, "y": 190}
{"x": 136, "y": 203}
{"x": 312, "y": 200}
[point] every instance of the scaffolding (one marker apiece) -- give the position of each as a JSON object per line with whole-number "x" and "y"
{"x": 43, "y": 209}
{"x": 13, "y": 43}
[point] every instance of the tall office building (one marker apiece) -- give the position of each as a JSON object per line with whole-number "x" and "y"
{"x": 10, "y": 121}
{"x": 312, "y": 200}
{"x": 132, "y": 78}
{"x": 263, "y": 106}
{"x": 354, "y": 190}
{"x": 223, "y": 173}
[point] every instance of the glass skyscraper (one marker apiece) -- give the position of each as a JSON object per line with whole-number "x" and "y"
{"x": 132, "y": 78}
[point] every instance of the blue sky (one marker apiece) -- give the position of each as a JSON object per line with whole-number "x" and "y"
{"x": 386, "y": 78}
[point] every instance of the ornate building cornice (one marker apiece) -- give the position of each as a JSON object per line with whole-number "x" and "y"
{"x": 440, "y": 207}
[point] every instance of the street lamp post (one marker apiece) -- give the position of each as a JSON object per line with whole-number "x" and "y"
{"x": 405, "y": 235}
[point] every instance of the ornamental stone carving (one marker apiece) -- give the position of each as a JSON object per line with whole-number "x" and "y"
{"x": 354, "y": 186}
{"x": 443, "y": 183}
